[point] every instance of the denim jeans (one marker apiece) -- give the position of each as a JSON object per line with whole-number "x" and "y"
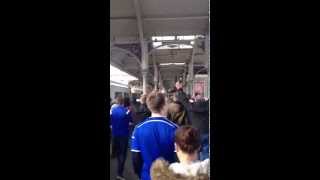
{"x": 204, "y": 152}
{"x": 121, "y": 146}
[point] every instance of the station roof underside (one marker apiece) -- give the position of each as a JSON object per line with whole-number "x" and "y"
{"x": 159, "y": 18}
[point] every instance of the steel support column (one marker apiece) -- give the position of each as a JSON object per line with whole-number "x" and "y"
{"x": 145, "y": 67}
{"x": 190, "y": 71}
{"x": 144, "y": 47}
{"x": 156, "y": 73}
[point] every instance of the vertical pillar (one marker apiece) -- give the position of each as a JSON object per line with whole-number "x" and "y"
{"x": 184, "y": 78}
{"x": 187, "y": 78}
{"x": 144, "y": 80}
{"x": 191, "y": 78}
{"x": 160, "y": 80}
{"x": 144, "y": 66}
{"x": 207, "y": 53}
{"x": 190, "y": 71}
{"x": 156, "y": 73}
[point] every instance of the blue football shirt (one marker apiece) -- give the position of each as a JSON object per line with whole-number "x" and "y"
{"x": 120, "y": 118}
{"x": 154, "y": 138}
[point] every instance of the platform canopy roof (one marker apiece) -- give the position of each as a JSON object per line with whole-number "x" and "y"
{"x": 158, "y": 18}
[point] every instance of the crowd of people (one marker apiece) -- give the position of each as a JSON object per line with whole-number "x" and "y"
{"x": 169, "y": 135}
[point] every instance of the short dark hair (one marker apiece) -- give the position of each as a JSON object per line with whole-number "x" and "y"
{"x": 175, "y": 107}
{"x": 156, "y": 101}
{"x": 119, "y": 100}
{"x": 188, "y": 139}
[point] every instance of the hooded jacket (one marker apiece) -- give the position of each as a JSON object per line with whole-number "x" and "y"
{"x": 178, "y": 114}
{"x": 160, "y": 171}
{"x": 198, "y": 112}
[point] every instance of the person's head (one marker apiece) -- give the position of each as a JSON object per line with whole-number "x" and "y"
{"x": 175, "y": 107}
{"x": 126, "y": 102}
{"x": 156, "y": 102}
{"x": 175, "y": 97}
{"x": 143, "y": 99}
{"x": 176, "y": 112}
{"x": 169, "y": 99}
{"x": 179, "y": 85}
{"x": 187, "y": 142}
{"x": 119, "y": 100}
{"x": 198, "y": 96}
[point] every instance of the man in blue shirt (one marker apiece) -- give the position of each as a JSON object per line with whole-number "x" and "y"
{"x": 153, "y": 138}
{"x": 120, "y": 118}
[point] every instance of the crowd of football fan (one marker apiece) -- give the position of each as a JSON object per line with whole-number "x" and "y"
{"x": 168, "y": 133}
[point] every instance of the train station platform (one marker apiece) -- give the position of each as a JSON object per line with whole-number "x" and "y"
{"x": 128, "y": 168}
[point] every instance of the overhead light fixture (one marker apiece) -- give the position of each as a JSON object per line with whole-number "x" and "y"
{"x": 190, "y": 37}
{"x": 163, "y": 38}
{"x": 119, "y": 85}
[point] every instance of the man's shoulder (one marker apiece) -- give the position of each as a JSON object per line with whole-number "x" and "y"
{"x": 115, "y": 106}
{"x": 149, "y": 122}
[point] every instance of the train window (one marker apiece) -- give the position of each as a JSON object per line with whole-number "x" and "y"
{"x": 116, "y": 94}
{"x": 126, "y": 94}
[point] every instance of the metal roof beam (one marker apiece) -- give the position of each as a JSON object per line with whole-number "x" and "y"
{"x": 161, "y": 18}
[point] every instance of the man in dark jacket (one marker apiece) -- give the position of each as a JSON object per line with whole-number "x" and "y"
{"x": 143, "y": 110}
{"x": 198, "y": 114}
{"x": 177, "y": 113}
{"x": 135, "y": 106}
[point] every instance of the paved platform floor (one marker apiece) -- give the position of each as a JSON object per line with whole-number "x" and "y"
{"x": 128, "y": 169}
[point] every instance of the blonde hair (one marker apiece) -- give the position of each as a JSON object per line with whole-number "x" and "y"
{"x": 156, "y": 101}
